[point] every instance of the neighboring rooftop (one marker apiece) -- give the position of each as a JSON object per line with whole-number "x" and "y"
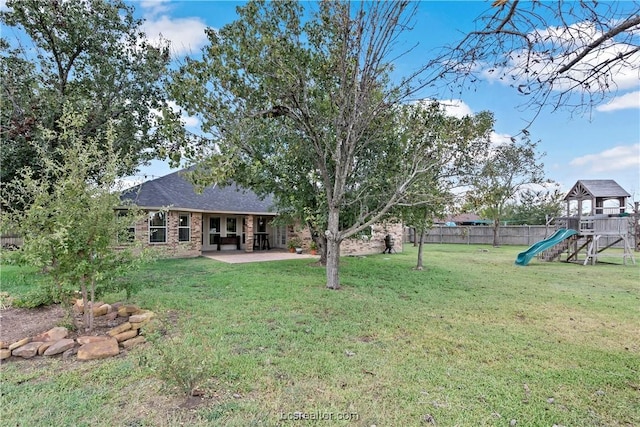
{"x": 178, "y": 193}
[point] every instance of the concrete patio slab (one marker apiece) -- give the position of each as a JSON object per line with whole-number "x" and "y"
{"x": 239, "y": 257}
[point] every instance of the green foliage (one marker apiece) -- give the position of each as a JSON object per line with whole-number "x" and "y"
{"x": 80, "y": 54}
{"x": 183, "y": 364}
{"x": 499, "y": 178}
{"x": 299, "y": 100}
{"x": 38, "y": 297}
{"x": 536, "y": 207}
{"x": 294, "y": 242}
{"x": 70, "y": 231}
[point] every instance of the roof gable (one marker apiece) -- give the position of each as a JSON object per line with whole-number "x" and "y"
{"x": 177, "y": 192}
{"x": 592, "y": 188}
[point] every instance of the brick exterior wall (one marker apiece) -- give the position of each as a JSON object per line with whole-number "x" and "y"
{"x": 193, "y": 248}
{"x": 172, "y": 247}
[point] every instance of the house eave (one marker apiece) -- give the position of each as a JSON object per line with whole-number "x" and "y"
{"x": 205, "y": 211}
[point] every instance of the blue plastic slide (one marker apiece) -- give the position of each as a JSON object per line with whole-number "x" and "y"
{"x": 557, "y": 237}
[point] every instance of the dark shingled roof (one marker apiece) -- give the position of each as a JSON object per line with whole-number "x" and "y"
{"x": 177, "y": 193}
{"x": 596, "y": 188}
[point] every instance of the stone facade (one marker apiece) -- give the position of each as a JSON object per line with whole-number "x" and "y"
{"x": 249, "y": 233}
{"x": 374, "y": 244}
{"x": 364, "y": 245}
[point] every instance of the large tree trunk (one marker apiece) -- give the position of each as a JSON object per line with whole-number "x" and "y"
{"x": 320, "y": 241}
{"x": 322, "y": 250}
{"x": 496, "y": 233}
{"x": 333, "y": 249}
{"x": 419, "y": 265}
{"x": 333, "y": 264}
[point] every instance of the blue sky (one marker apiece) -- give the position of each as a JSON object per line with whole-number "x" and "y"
{"x": 602, "y": 145}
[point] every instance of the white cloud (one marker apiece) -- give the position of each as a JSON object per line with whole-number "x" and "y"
{"x": 628, "y": 100}
{"x": 185, "y": 34}
{"x": 612, "y": 160}
{"x": 456, "y": 108}
{"x": 557, "y": 46}
{"x": 188, "y": 121}
{"x": 154, "y": 7}
{"x": 500, "y": 139}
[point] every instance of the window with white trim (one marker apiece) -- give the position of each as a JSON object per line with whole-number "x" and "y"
{"x": 184, "y": 227}
{"x": 157, "y": 227}
{"x": 214, "y": 230}
{"x": 232, "y": 226}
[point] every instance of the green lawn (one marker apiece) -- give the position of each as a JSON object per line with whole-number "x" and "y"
{"x": 473, "y": 340}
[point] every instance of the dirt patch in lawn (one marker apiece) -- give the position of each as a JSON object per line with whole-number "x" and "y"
{"x": 18, "y": 323}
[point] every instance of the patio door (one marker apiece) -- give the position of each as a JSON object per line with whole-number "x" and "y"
{"x": 280, "y": 236}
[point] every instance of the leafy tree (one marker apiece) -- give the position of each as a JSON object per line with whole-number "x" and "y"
{"x": 500, "y": 176}
{"x": 299, "y": 103}
{"x": 79, "y": 53}
{"x": 558, "y": 53}
{"x": 452, "y": 145}
{"x": 420, "y": 215}
{"x": 536, "y": 207}
{"x": 71, "y": 229}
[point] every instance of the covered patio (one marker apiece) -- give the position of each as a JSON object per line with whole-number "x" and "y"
{"x": 239, "y": 257}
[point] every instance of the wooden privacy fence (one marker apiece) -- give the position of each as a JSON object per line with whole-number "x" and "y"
{"x": 524, "y": 235}
{"x": 10, "y": 240}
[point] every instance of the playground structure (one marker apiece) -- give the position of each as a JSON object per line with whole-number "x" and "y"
{"x": 592, "y": 225}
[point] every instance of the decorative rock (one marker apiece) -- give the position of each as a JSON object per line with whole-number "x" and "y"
{"x": 118, "y": 329}
{"x": 28, "y": 350}
{"x": 138, "y": 325}
{"x": 53, "y": 334}
{"x": 123, "y": 336}
{"x": 20, "y": 343}
{"x": 4, "y": 344}
{"x": 78, "y": 306}
{"x": 44, "y": 347}
{"x": 60, "y": 347}
{"x": 90, "y": 338}
{"x": 111, "y": 316}
{"x": 100, "y": 311}
{"x": 129, "y": 309}
{"x": 5, "y": 353}
{"x": 122, "y": 312}
{"x": 67, "y": 354}
{"x": 109, "y": 308}
{"x": 133, "y": 341}
{"x": 99, "y": 350}
{"x": 137, "y": 318}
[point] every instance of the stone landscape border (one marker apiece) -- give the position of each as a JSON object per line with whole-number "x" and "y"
{"x": 86, "y": 347}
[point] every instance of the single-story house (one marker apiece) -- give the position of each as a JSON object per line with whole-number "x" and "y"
{"x": 186, "y": 223}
